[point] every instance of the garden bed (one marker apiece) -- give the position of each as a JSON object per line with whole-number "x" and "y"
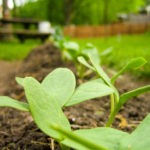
{"x": 17, "y": 129}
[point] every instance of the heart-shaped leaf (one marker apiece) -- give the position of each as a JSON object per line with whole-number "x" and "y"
{"x": 60, "y": 84}
{"x": 45, "y": 109}
{"x": 89, "y": 90}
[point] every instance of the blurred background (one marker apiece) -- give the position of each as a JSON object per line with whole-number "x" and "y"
{"x": 121, "y": 24}
{"x": 87, "y": 12}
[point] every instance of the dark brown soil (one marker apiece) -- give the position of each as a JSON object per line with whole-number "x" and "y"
{"x": 17, "y": 129}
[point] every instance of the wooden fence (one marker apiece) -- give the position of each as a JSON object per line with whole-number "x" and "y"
{"x": 107, "y": 30}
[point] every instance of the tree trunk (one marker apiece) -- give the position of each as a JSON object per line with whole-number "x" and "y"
{"x": 68, "y": 10}
{"x": 6, "y": 11}
{"x": 105, "y": 11}
{"x": 14, "y": 9}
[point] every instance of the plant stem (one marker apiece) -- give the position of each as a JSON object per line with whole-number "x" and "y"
{"x": 112, "y": 111}
{"x": 111, "y": 119}
{"x": 78, "y": 139}
{"x": 112, "y": 103}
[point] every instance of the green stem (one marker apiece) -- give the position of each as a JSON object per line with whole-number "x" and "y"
{"x": 112, "y": 103}
{"x": 78, "y": 139}
{"x": 113, "y": 111}
{"x": 123, "y": 99}
{"x": 111, "y": 119}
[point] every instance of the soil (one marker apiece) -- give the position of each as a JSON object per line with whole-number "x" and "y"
{"x": 17, "y": 129}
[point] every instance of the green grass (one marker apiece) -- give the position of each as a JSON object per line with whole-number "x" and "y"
{"x": 14, "y": 50}
{"x": 124, "y": 48}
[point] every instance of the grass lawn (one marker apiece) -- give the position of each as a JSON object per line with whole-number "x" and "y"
{"x": 124, "y": 48}
{"x": 14, "y": 50}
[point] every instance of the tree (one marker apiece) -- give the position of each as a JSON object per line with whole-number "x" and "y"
{"x": 79, "y": 11}
{"x": 6, "y": 11}
{"x": 105, "y": 11}
{"x": 147, "y": 2}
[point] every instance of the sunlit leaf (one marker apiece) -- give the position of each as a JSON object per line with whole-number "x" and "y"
{"x": 90, "y": 90}
{"x": 60, "y": 84}
{"x": 44, "y": 109}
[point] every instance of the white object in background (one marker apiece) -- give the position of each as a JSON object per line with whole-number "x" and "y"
{"x": 45, "y": 27}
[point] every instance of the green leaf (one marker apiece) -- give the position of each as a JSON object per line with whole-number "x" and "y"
{"x": 96, "y": 67}
{"x": 107, "y": 51}
{"x": 9, "y": 102}
{"x": 90, "y": 90}
{"x": 44, "y": 109}
{"x": 71, "y": 45}
{"x": 67, "y": 55}
{"x": 20, "y": 81}
{"x": 133, "y": 64}
{"x": 139, "y": 139}
{"x": 85, "y": 63}
{"x": 60, "y": 84}
{"x": 90, "y": 49}
{"x": 99, "y": 69}
{"x": 105, "y": 137}
{"x": 71, "y": 139}
{"x": 126, "y": 96}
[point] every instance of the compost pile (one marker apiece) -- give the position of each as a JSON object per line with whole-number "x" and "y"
{"x": 17, "y": 129}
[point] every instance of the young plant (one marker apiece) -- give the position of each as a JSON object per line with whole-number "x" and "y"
{"x": 116, "y": 100}
{"x": 71, "y": 50}
{"x": 57, "y": 90}
{"x": 68, "y": 48}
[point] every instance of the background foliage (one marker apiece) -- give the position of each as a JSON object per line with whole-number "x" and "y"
{"x": 77, "y": 11}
